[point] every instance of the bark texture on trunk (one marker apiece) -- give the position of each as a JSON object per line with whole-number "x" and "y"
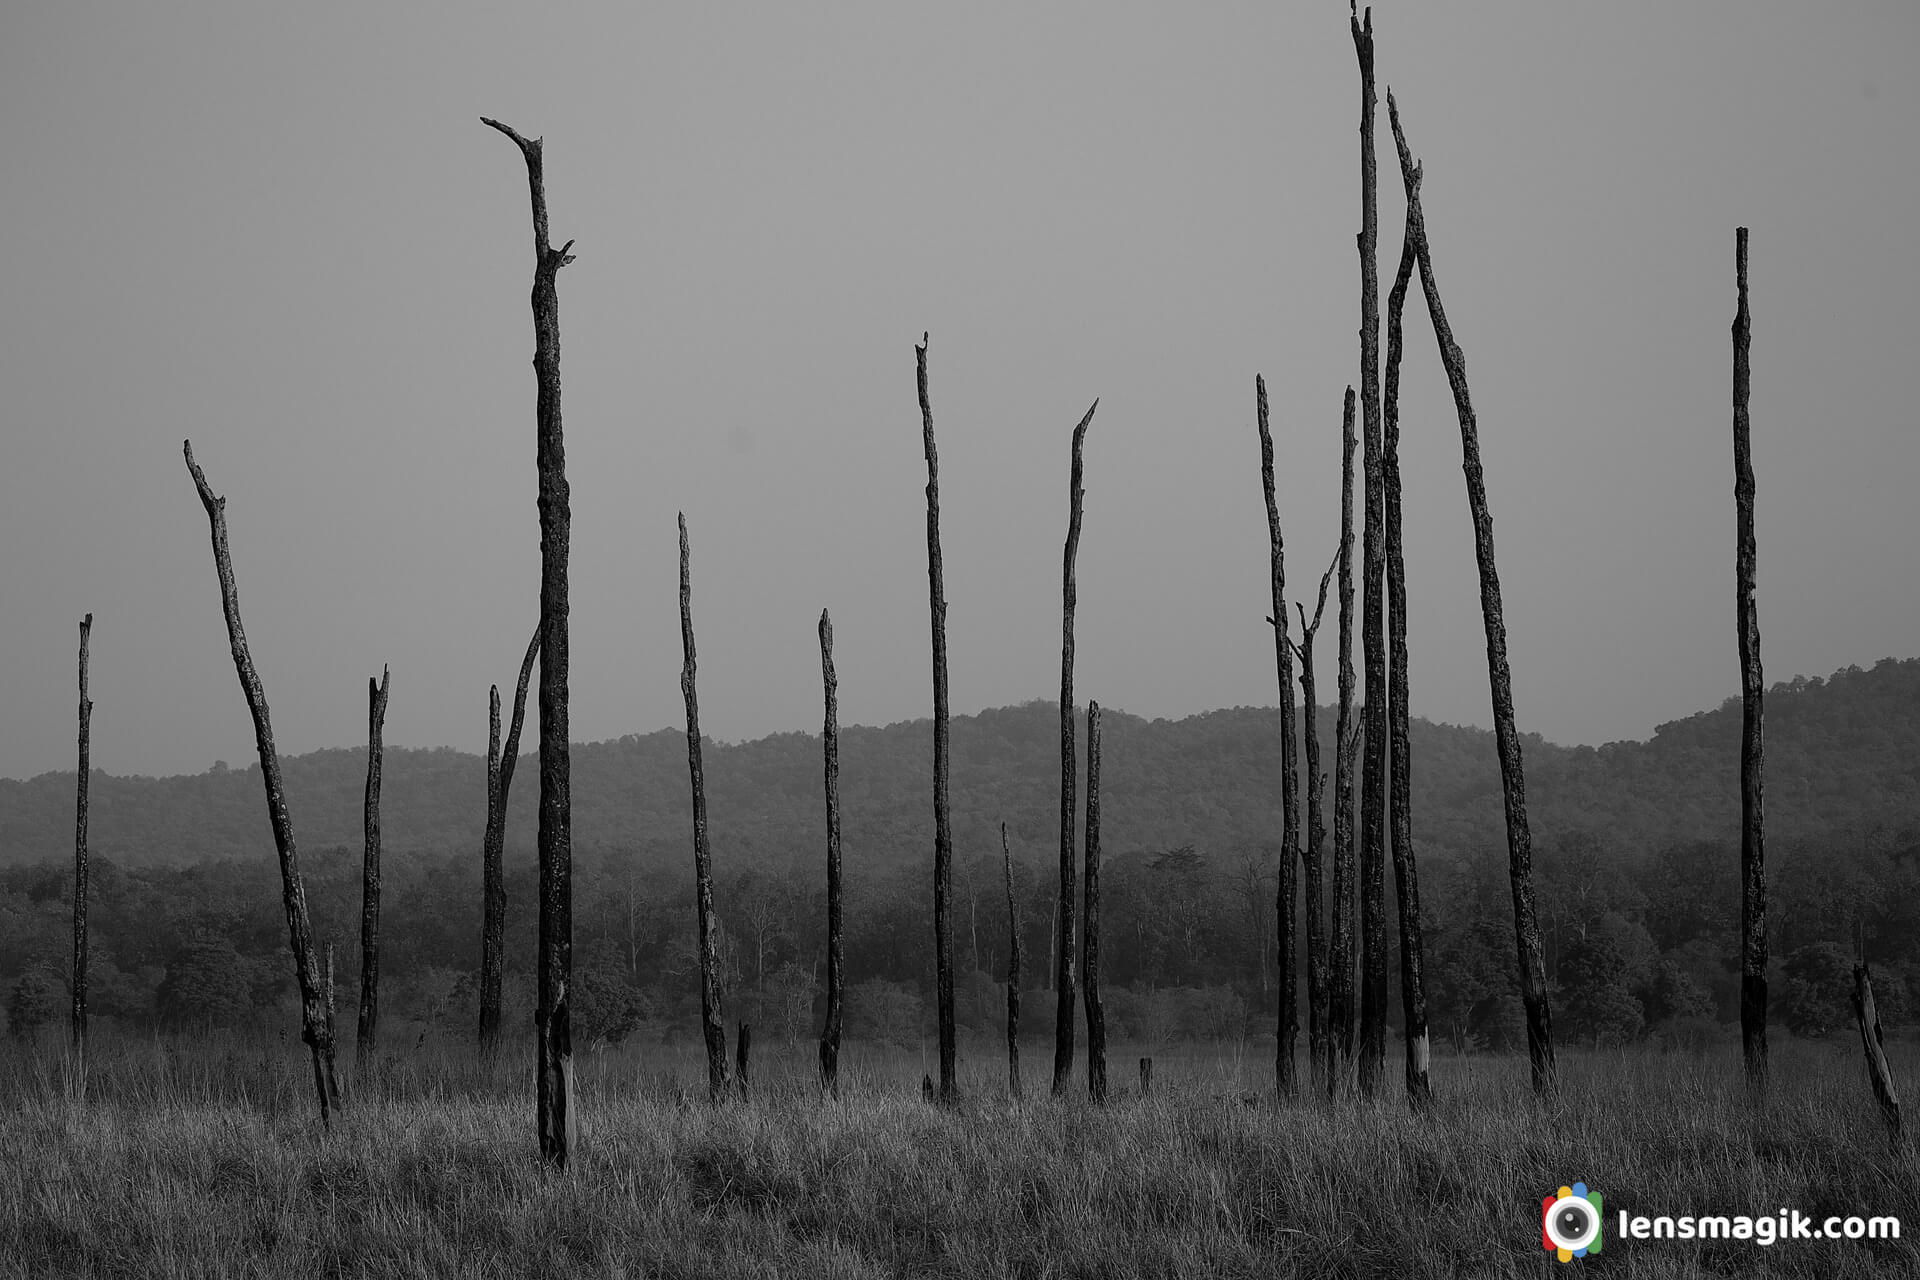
{"x": 315, "y": 1018}
{"x": 1013, "y": 972}
{"x": 80, "y": 851}
{"x": 1870, "y": 1042}
{"x": 1287, "y": 892}
{"x": 942, "y": 826}
{"x": 369, "y": 1026}
{"x": 1753, "y": 856}
{"x": 836, "y": 938}
{"x": 493, "y": 918}
{"x": 1064, "y": 981}
{"x": 1319, "y": 1039}
{"x": 712, "y": 1023}
{"x": 1526, "y": 924}
{"x": 1345, "y": 737}
{"x": 1096, "y": 1012}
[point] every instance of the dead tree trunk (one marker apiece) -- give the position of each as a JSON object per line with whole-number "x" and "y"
{"x": 1373, "y": 797}
{"x": 713, "y": 1025}
{"x": 1287, "y": 891}
{"x": 316, "y": 1023}
{"x": 1877, "y": 1069}
{"x": 1319, "y": 1042}
{"x": 742, "y": 1052}
{"x": 1340, "y": 945}
{"x": 493, "y": 927}
{"x": 1013, "y": 973}
{"x": 1096, "y": 1012}
{"x": 942, "y": 827}
{"x": 1753, "y": 859}
{"x": 557, "y": 1123}
{"x": 1069, "y": 596}
{"x": 1413, "y": 992}
{"x": 80, "y": 852}
{"x": 836, "y": 939}
{"x": 1526, "y": 925}
{"x": 369, "y": 1028}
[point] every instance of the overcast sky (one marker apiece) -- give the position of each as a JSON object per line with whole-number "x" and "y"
{"x": 283, "y": 232}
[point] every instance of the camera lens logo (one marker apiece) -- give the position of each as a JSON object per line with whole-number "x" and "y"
{"x": 1570, "y": 1222}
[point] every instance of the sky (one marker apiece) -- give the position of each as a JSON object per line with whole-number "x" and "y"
{"x": 283, "y": 233}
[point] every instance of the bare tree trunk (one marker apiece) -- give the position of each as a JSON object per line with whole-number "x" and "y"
{"x": 742, "y": 1051}
{"x": 1345, "y": 734}
{"x": 1096, "y": 1012}
{"x": 836, "y": 940}
{"x": 370, "y": 873}
{"x": 1413, "y": 993}
{"x": 1064, "y": 949}
{"x": 942, "y": 827}
{"x": 316, "y": 1022}
{"x": 1526, "y": 924}
{"x": 1287, "y": 892}
{"x": 1319, "y": 1042}
{"x": 1013, "y": 973}
{"x": 1753, "y": 856}
{"x": 80, "y": 852}
{"x": 500, "y": 762}
{"x": 713, "y": 1024}
{"x": 558, "y": 1124}
{"x": 1877, "y": 1069}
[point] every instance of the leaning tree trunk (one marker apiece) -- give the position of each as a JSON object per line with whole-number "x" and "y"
{"x": 316, "y": 1021}
{"x": 1526, "y": 924}
{"x": 712, "y": 1024}
{"x": 942, "y": 827}
{"x": 1013, "y": 973}
{"x": 1287, "y": 892}
{"x": 1096, "y": 1012}
{"x": 1871, "y": 1043}
{"x": 1753, "y": 858}
{"x": 370, "y": 873}
{"x": 1373, "y": 796}
{"x": 1345, "y": 733}
{"x": 558, "y": 1124}
{"x": 493, "y": 927}
{"x": 1069, "y": 596}
{"x": 1413, "y": 992}
{"x": 836, "y": 939}
{"x": 1319, "y": 1043}
{"x": 80, "y": 853}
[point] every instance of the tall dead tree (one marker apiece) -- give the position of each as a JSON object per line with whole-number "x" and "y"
{"x": 713, "y": 1026}
{"x": 1413, "y": 991}
{"x": 493, "y": 926}
{"x": 369, "y": 1028}
{"x": 1096, "y": 1011}
{"x": 315, "y": 1018}
{"x": 1013, "y": 972}
{"x": 557, "y": 1122}
{"x": 1526, "y": 925}
{"x": 1373, "y": 784}
{"x": 1753, "y": 857}
{"x": 1063, "y": 983}
{"x": 1345, "y": 737}
{"x": 1288, "y": 890}
{"x": 1319, "y": 1041}
{"x": 836, "y": 939}
{"x": 80, "y": 852}
{"x": 942, "y": 826}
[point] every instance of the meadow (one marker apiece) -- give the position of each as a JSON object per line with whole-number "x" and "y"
{"x": 204, "y": 1157}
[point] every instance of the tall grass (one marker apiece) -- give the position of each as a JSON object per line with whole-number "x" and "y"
{"x": 205, "y": 1158}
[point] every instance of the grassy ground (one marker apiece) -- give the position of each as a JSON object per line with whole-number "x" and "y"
{"x": 205, "y": 1158}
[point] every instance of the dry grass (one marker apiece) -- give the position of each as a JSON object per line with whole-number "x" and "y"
{"x": 205, "y": 1159}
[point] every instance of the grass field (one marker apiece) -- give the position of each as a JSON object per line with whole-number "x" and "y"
{"x": 205, "y": 1158}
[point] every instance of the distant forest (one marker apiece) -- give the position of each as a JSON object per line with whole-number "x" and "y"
{"x": 1636, "y": 860}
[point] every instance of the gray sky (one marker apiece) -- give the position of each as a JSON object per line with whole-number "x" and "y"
{"x": 283, "y": 232}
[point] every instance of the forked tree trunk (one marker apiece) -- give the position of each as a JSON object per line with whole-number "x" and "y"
{"x": 1013, "y": 972}
{"x": 1287, "y": 891}
{"x": 1345, "y": 734}
{"x": 1319, "y": 1041}
{"x": 1753, "y": 858}
{"x": 80, "y": 852}
{"x": 1063, "y": 983}
{"x": 316, "y": 1022}
{"x": 1413, "y": 992}
{"x": 369, "y": 1028}
{"x": 493, "y": 927}
{"x": 836, "y": 939}
{"x": 1373, "y": 785}
{"x": 1870, "y": 1042}
{"x": 557, "y": 1122}
{"x": 712, "y": 1024}
{"x": 1526, "y": 924}
{"x": 942, "y": 827}
{"x": 1096, "y": 1012}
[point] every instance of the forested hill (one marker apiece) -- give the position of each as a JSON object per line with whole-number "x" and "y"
{"x": 1842, "y": 756}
